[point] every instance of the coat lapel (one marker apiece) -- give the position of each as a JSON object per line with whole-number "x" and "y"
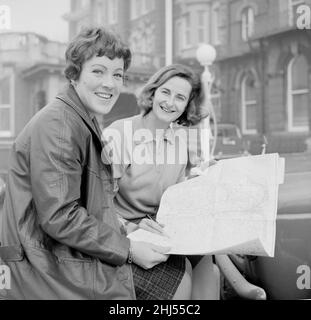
{"x": 71, "y": 98}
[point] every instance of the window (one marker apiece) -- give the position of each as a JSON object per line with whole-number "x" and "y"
{"x": 99, "y": 15}
{"x": 113, "y": 11}
{"x": 215, "y": 24}
{"x": 202, "y": 26}
{"x": 5, "y": 17}
{"x": 149, "y": 5}
{"x": 292, "y": 10}
{"x": 179, "y": 37}
{"x": 248, "y": 20}
{"x": 141, "y": 7}
{"x": 13, "y": 42}
{"x": 80, "y": 4}
{"x": 187, "y": 29}
{"x": 6, "y": 104}
{"x": 143, "y": 44}
{"x": 298, "y": 94}
{"x": 249, "y": 105}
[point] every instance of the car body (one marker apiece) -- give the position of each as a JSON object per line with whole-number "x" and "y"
{"x": 2, "y": 193}
{"x": 288, "y": 274}
{"x": 230, "y": 142}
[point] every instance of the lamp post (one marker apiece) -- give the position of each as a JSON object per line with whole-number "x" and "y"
{"x": 168, "y": 32}
{"x": 206, "y": 55}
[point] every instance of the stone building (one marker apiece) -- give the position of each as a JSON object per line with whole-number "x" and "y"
{"x": 263, "y": 66}
{"x": 264, "y": 63}
{"x": 31, "y": 73}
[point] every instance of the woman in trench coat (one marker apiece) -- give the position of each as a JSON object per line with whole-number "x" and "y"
{"x": 60, "y": 236}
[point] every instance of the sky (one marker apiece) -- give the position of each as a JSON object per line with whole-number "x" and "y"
{"x": 41, "y": 16}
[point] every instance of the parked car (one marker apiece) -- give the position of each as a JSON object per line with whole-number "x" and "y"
{"x": 288, "y": 274}
{"x": 2, "y": 191}
{"x": 230, "y": 142}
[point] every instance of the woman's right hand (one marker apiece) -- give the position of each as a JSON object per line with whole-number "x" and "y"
{"x": 151, "y": 226}
{"x": 147, "y": 255}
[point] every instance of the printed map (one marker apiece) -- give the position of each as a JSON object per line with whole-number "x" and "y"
{"x": 230, "y": 208}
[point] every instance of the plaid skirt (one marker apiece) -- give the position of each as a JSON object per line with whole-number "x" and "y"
{"x": 160, "y": 282}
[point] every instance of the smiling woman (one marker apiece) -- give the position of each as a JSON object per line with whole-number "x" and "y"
{"x": 63, "y": 221}
{"x": 170, "y": 103}
{"x": 97, "y": 72}
{"x": 100, "y": 83}
{"x": 170, "y": 100}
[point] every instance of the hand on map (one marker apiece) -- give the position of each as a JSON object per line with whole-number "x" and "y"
{"x": 152, "y": 226}
{"x": 199, "y": 170}
{"x": 148, "y": 255}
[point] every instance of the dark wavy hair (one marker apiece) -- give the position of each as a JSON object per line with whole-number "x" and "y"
{"x": 91, "y": 42}
{"x": 193, "y": 113}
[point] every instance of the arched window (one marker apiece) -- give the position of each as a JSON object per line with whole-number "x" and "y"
{"x": 248, "y": 21}
{"x": 298, "y": 94}
{"x": 249, "y": 104}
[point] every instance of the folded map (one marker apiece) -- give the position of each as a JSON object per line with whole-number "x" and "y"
{"x": 230, "y": 208}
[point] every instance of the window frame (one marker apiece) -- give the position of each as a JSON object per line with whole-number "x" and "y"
{"x": 204, "y": 27}
{"x": 244, "y": 105}
{"x": 11, "y": 106}
{"x": 290, "y": 101}
{"x": 187, "y": 30}
{"x": 247, "y": 23}
{"x": 215, "y": 18}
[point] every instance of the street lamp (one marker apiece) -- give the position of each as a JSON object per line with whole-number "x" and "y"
{"x": 206, "y": 55}
{"x": 168, "y": 32}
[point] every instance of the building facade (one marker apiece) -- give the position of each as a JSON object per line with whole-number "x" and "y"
{"x": 31, "y": 73}
{"x": 263, "y": 67}
{"x": 262, "y": 71}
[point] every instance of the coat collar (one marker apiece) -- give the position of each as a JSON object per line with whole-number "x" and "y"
{"x": 71, "y": 98}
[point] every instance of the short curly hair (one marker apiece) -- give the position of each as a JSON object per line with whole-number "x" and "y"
{"x": 193, "y": 113}
{"x": 91, "y": 42}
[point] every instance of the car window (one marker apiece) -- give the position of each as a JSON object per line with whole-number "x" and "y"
{"x": 227, "y": 132}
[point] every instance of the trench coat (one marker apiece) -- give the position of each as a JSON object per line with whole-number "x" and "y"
{"x": 60, "y": 236}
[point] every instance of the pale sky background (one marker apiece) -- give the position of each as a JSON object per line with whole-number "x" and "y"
{"x": 41, "y": 16}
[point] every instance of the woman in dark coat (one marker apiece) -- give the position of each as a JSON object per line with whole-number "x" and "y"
{"x": 60, "y": 236}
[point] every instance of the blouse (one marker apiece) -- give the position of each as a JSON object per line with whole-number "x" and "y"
{"x": 145, "y": 164}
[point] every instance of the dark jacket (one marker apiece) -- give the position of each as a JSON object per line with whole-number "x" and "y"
{"x": 60, "y": 235}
